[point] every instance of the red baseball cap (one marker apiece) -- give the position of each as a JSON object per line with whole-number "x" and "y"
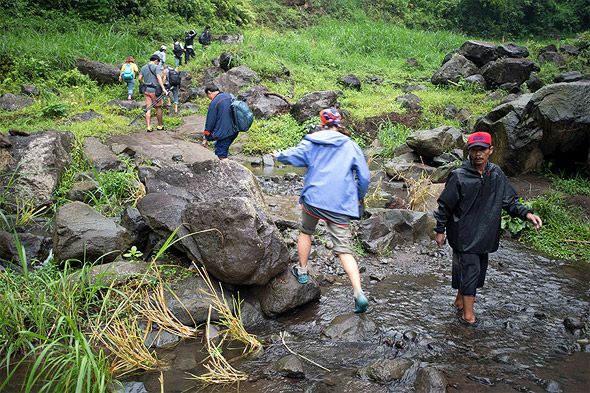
{"x": 482, "y": 139}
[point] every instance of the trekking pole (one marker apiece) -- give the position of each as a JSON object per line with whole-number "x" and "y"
{"x": 148, "y": 108}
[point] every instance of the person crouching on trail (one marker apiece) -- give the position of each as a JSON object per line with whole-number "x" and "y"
{"x": 470, "y": 209}
{"x": 219, "y": 125}
{"x": 335, "y": 184}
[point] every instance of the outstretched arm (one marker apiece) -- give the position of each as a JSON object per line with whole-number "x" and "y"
{"x": 296, "y": 156}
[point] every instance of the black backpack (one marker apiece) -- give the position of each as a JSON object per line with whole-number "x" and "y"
{"x": 177, "y": 50}
{"x": 174, "y": 77}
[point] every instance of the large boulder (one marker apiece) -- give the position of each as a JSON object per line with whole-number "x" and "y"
{"x": 387, "y": 370}
{"x": 508, "y": 70}
{"x": 12, "y": 102}
{"x": 40, "y": 160}
{"x": 106, "y": 74}
{"x": 454, "y": 70}
{"x": 351, "y": 81}
{"x": 431, "y": 143}
{"x": 83, "y": 234}
{"x": 385, "y": 228}
{"x": 236, "y": 79}
{"x": 400, "y": 168}
{"x": 219, "y": 205}
{"x": 479, "y": 52}
{"x": 100, "y": 156}
{"x": 36, "y": 245}
{"x": 515, "y": 139}
{"x": 284, "y": 293}
{"x": 311, "y": 104}
{"x": 561, "y": 110}
{"x": 265, "y": 104}
{"x": 569, "y": 76}
{"x": 227, "y": 61}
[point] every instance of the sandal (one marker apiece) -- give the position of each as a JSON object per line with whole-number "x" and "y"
{"x": 302, "y": 278}
{"x": 160, "y": 128}
{"x": 149, "y": 129}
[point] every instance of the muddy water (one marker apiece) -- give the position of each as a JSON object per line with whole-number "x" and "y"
{"x": 520, "y": 342}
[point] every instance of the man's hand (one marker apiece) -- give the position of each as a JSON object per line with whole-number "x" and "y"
{"x": 440, "y": 239}
{"x": 535, "y": 220}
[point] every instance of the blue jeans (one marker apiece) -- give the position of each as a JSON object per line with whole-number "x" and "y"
{"x": 222, "y": 146}
{"x": 175, "y": 94}
{"x": 177, "y": 61}
{"x": 130, "y": 87}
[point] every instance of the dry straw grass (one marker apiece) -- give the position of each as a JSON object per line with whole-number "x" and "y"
{"x": 419, "y": 190}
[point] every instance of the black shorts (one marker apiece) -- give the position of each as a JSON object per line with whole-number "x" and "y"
{"x": 469, "y": 272}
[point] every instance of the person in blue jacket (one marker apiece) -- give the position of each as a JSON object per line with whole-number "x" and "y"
{"x": 219, "y": 126}
{"x": 335, "y": 184}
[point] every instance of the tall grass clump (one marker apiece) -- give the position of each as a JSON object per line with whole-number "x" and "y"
{"x": 277, "y": 133}
{"x": 392, "y": 135}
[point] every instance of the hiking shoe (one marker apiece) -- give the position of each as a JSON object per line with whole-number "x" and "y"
{"x": 302, "y": 278}
{"x": 360, "y": 304}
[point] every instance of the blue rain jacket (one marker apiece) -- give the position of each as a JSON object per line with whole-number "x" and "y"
{"x": 337, "y": 174}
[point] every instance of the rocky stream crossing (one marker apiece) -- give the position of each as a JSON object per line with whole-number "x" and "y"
{"x": 531, "y": 335}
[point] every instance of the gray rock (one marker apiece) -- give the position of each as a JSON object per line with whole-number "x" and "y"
{"x": 82, "y": 190}
{"x": 399, "y": 169}
{"x": 510, "y": 98}
{"x": 385, "y": 228}
{"x": 127, "y": 104}
{"x": 85, "y": 116}
{"x": 228, "y": 38}
{"x": 30, "y": 90}
{"x": 573, "y": 323}
{"x": 186, "y": 299}
{"x": 41, "y": 159}
{"x": 477, "y": 80}
{"x": 411, "y": 88}
{"x": 517, "y": 146}
{"x": 510, "y": 87}
{"x": 534, "y": 83}
{"x": 387, "y": 370}
{"x": 236, "y": 79}
{"x": 412, "y": 62}
{"x": 36, "y": 245}
{"x": 350, "y": 328}
{"x": 263, "y": 103}
{"x": 311, "y": 104}
{"x": 227, "y": 61}
{"x": 268, "y": 160}
{"x": 410, "y": 102}
{"x": 351, "y": 82}
{"x": 570, "y": 50}
{"x": 552, "y": 57}
{"x": 116, "y": 273}
{"x": 82, "y": 233}
{"x": 234, "y": 236}
{"x": 570, "y": 76}
{"x": 453, "y": 70}
{"x": 132, "y": 220}
{"x": 100, "y": 156}
{"x": 430, "y": 380}
{"x": 510, "y": 49}
{"x": 105, "y": 74}
{"x": 479, "y": 52}
{"x": 374, "y": 80}
{"x": 252, "y": 317}
{"x": 290, "y": 366}
{"x": 11, "y": 102}
{"x": 284, "y": 293}
{"x": 160, "y": 339}
{"x": 507, "y": 70}
{"x": 552, "y": 386}
{"x": 432, "y": 143}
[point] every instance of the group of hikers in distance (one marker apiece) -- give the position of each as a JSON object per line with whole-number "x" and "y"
{"x": 337, "y": 179}
{"x": 157, "y": 79}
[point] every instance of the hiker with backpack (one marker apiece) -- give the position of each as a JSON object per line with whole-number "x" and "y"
{"x": 334, "y": 186}
{"x": 172, "y": 83}
{"x": 128, "y": 73}
{"x": 153, "y": 90}
{"x": 162, "y": 55}
{"x": 219, "y": 125}
{"x": 178, "y": 50}
{"x": 188, "y": 45}
{"x": 205, "y": 37}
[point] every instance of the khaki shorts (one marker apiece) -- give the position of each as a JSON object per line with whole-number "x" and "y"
{"x": 151, "y": 97}
{"x": 340, "y": 234}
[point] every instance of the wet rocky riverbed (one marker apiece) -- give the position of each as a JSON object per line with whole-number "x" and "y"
{"x": 531, "y": 334}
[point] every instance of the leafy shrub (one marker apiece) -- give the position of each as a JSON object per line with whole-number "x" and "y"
{"x": 391, "y": 135}
{"x": 55, "y": 109}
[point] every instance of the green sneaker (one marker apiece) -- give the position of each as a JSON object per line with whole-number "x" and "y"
{"x": 360, "y": 304}
{"x": 302, "y": 278}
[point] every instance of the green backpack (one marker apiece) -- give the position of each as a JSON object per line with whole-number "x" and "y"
{"x": 128, "y": 74}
